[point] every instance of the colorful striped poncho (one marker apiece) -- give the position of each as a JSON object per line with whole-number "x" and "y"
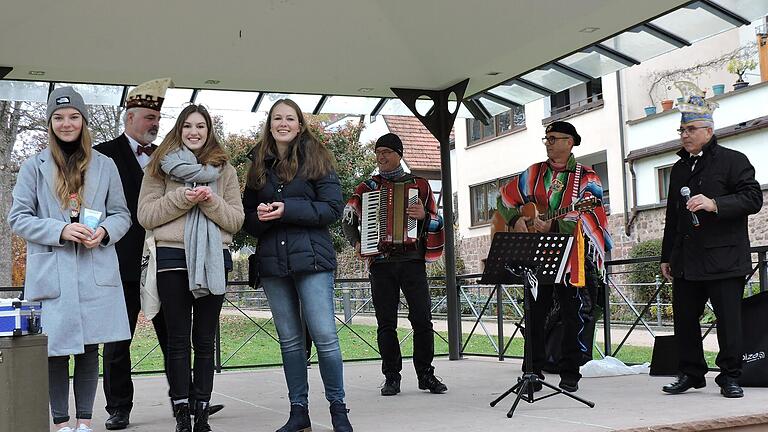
{"x": 431, "y": 234}
{"x": 541, "y": 184}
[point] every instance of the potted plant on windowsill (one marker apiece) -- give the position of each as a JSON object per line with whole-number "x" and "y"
{"x": 739, "y": 67}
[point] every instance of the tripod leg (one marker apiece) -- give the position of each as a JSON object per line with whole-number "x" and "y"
{"x": 569, "y": 394}
{"x": 506, "y": 393}
{"x": 523, "y": 388}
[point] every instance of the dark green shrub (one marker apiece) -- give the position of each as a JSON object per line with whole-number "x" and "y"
{"x": 646, "y": 272}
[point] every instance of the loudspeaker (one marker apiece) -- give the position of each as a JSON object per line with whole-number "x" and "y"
{"x": 664, "y": 361}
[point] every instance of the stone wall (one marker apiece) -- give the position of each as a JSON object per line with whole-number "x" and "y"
{"x": 647, "y": 225}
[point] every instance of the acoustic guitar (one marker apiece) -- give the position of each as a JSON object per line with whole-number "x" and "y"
{"x": 539, "y": 211}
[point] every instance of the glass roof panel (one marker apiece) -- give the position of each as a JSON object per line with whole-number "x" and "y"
{"x": 592, "y": 63}
{"x": 26, "y": 91}
{"x": 306, "y": 102}
{"x": 463, "y": 111}
{"x": 397, "y": 107}
{"x": 227, "y": 100}
{"x": 515, "y": 93}
{"x": 749, "y": 9}
{"x": 692, "y": 23}
{"x": 349, "y": 105}
{"x": 96, "y": 94}
{"x": 551, "y": 79}
{"x": 493, "y": 107}
{"x": 177, "y": 97}
{"x": 639, "y": 45}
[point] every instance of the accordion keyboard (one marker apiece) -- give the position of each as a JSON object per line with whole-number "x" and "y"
{"x": 369, "y": 225}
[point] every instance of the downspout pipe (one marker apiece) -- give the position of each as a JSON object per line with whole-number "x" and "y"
{"x": 628, "y": 219}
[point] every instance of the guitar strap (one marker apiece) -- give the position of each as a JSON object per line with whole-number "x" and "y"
{"x": 576, "y": 183}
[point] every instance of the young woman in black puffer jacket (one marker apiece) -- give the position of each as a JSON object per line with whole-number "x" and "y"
{"x": 293, "y": 194}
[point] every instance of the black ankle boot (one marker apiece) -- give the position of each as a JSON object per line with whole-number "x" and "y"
{"x": 298, "y": 421}
{"x": 202, "y": 410}
{"x": 339, "y": 417}
{"x": 183, "y": 423}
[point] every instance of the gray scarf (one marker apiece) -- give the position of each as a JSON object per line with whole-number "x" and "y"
{"x": 202, "y": 237}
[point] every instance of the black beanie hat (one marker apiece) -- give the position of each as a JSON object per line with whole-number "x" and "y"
{"x": 566, "y": 128}
{"x": 390, "y": 141}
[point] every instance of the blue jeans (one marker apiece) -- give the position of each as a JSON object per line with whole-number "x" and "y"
{"x": 308, "y": 295}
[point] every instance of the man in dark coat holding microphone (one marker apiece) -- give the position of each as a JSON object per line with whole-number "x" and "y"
{"x": 705, "y": 251}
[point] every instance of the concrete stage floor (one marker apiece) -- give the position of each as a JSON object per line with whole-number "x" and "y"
{"x": 257, "y": 401}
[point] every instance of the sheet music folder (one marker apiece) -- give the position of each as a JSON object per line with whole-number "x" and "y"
{"x": 545, "y": 253}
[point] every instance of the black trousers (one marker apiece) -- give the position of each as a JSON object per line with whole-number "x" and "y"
{"x": 118, "y": 387}
{"x": 688, "y": 301}
{"x": 570, "y": 304}
{"x": 387, "y": 279}
{"x": 185, "y": 314}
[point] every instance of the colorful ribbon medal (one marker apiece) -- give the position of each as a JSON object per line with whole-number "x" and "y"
{"x": 74, "y": 205}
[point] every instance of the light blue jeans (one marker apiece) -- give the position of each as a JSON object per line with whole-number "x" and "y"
{"x": 309, "y": 295}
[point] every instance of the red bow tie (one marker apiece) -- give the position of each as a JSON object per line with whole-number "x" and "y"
{"x": 147, "y": 150}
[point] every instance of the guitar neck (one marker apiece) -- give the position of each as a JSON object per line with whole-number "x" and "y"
{"x": 558, "y": 213}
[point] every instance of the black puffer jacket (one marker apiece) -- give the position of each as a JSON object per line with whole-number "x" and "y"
{"x": 299, "y": 242}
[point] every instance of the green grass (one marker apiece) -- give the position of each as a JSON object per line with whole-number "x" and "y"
{"x": 240, "y": 347}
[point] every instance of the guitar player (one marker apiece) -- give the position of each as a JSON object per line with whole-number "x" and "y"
{"x": 562, "y": 196}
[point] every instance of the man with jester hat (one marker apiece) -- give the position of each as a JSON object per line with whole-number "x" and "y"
{"x": 705, "y": 251}
{"x": 563, "y": 187}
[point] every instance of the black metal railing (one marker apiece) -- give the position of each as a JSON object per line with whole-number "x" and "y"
{"x": 480, "y": 306}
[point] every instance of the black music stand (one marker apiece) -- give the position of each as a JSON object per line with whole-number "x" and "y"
{"x": 529, "y": 259}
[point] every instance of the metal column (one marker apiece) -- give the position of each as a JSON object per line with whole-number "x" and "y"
{"x": 439, "y": 121}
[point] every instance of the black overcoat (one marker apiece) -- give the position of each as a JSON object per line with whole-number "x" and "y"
{"x": 719, "y": 247}
{"x": 129, "y": 248}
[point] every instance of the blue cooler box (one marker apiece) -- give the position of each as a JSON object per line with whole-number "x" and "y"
{"x": 20, "y": 318}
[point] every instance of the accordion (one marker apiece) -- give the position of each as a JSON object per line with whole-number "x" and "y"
{"x": 384, "y": 224}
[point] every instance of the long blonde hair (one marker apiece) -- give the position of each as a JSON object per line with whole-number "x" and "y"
{"x": 70, "y": 172}
{"x": 315, "y": 159}
{"x": 212, "y": 153}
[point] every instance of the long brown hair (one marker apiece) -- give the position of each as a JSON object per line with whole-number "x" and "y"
{"x": 306, "y": 150}
{"x": 212, "y": 152}
{"x": 70, "y": 172}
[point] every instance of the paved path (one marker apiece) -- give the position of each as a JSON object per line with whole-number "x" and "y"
{"x": 256, "y": 402}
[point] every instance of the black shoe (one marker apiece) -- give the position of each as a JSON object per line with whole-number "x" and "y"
{"x": 683, "y": 383}
{"x": 339, "y": 417}
{"x": 569, "y": 385}
{"x": 391, "y": 386}
{"x": 183, "y": 422}
{"x": 202, "y": 411}
{"x": 120, "y": 419}
{"x": 213, "y": 409}
{"x": 298, "y": 420}
{"x": 731, "y": 389}
{"x": 428, "y": 381}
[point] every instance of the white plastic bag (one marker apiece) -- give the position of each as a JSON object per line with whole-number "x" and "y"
{"x": 611, "y": 366}
{"x": 150, "y": 300}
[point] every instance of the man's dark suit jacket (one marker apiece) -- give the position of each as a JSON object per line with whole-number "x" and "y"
{"x": 129, "y": 248}
{"x": 719, "y": 247}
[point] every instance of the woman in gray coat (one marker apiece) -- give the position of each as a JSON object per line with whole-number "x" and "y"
{"x": 68, "y": 205}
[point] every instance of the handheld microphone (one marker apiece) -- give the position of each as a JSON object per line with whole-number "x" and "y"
{"x": 686, "y": 193}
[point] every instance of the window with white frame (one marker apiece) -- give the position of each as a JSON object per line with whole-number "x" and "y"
{"x": 483, "y": 200}
{"x": 662, "y": 176}
{"x": 501, "y": 124}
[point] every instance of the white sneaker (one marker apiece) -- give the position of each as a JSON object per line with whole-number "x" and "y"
{"x": 83, "y": 428}
{"x": 66, "y": 429}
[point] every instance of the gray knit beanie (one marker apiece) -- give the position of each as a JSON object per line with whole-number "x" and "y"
{"x": 66, "y": 97}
